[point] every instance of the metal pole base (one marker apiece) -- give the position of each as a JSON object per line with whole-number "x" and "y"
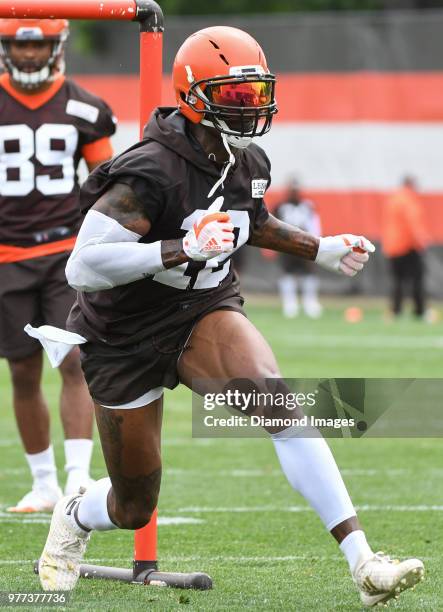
{"x": 176, "y": 580}
{"x": 147, "y": 577}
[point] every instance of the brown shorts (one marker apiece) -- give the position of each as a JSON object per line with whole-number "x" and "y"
{"x": 33, "y": 291}
{"x": 120, "y": 375}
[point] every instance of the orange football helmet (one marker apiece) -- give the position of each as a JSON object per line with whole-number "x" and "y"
{"x": 221, "y": 79}
{"x": 54, "y": 30}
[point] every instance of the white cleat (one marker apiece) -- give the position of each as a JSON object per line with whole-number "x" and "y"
{"x": 39, "y": 499}
{"x": 59, "y": 564}
{"x": 380, "y": 579}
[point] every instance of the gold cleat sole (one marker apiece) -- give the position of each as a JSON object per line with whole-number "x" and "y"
{"x": 409, "y": 581}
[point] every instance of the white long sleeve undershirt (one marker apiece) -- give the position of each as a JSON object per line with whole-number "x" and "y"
{"x": 107, "y": 255}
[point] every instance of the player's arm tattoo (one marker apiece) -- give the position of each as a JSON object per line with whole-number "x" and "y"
{"x": 285, "y": 238}
{"x": 121, "y": 203}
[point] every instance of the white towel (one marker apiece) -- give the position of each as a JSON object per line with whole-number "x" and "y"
{"x": 56, "y": 342}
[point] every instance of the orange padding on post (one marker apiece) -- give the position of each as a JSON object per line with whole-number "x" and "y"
{"x": 11, "y": 254}
{"x": 145, "y": 541}
{"x": 78, "y": 9}
{"x": 218, "y": 216}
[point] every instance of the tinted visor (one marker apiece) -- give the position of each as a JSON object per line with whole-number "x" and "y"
{"x": 245, "y": 94}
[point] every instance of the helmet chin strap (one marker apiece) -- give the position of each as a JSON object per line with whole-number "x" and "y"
{"x": 238, "y": 142}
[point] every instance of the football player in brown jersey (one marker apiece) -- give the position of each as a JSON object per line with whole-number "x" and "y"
{"x": 47, "y": 124}
{"x": 158, "y": 303}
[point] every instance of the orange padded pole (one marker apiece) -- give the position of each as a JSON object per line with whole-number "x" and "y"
{"x": 75, "y": 9}
{"x": 150, "y": 17}
{"x": 150, "y": 74}
{"x": 145, "y": 542}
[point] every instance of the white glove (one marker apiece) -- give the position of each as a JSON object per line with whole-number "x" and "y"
{"x": 209, "y": 237}
{"x": 346, "y": 253}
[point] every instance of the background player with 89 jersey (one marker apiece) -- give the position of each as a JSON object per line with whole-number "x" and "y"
{"x": 47, "y": 124}
{"x": 158, "y": 302}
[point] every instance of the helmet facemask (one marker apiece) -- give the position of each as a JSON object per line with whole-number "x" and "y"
{"x": 240, "y": 105}
{"x": 45, "y": 73}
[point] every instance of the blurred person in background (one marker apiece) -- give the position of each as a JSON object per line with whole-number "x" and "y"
{"x": 48, "y": 123}
{"x": 300, "y": 212}
{"x": 404, "y": 239}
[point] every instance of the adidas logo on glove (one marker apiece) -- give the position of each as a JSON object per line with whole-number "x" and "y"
{"x": 211, "y": 236}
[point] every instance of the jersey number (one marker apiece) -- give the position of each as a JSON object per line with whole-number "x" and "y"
{"x": 206, "y": 274}
{"x": 18, "y": 143}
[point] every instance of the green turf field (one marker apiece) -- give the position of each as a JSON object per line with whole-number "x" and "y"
{"x": 264, "y": 549}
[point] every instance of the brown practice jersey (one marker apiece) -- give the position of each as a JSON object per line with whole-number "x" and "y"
{"x": 171, "y": 176}
{"x": 42, "y": 139}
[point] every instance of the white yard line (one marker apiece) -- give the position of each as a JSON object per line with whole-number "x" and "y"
{"x": 178, "y": 520}
{"x": 44, "y": 519}
{"x": 125, "y": 561}
{"x": 186, "y": 440}
{"x": 259, "y": 473}
{"x": 37, "y": 518}
{"x": 5, "y": 442}
{"x": 376, "y": 342}
{"x": 20, "y": 516}
{"x": 252, "y": 473}
{"x": 168, "y": 441}
{"x": 253, "y": 509}
{"x": 185, "y": 472}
